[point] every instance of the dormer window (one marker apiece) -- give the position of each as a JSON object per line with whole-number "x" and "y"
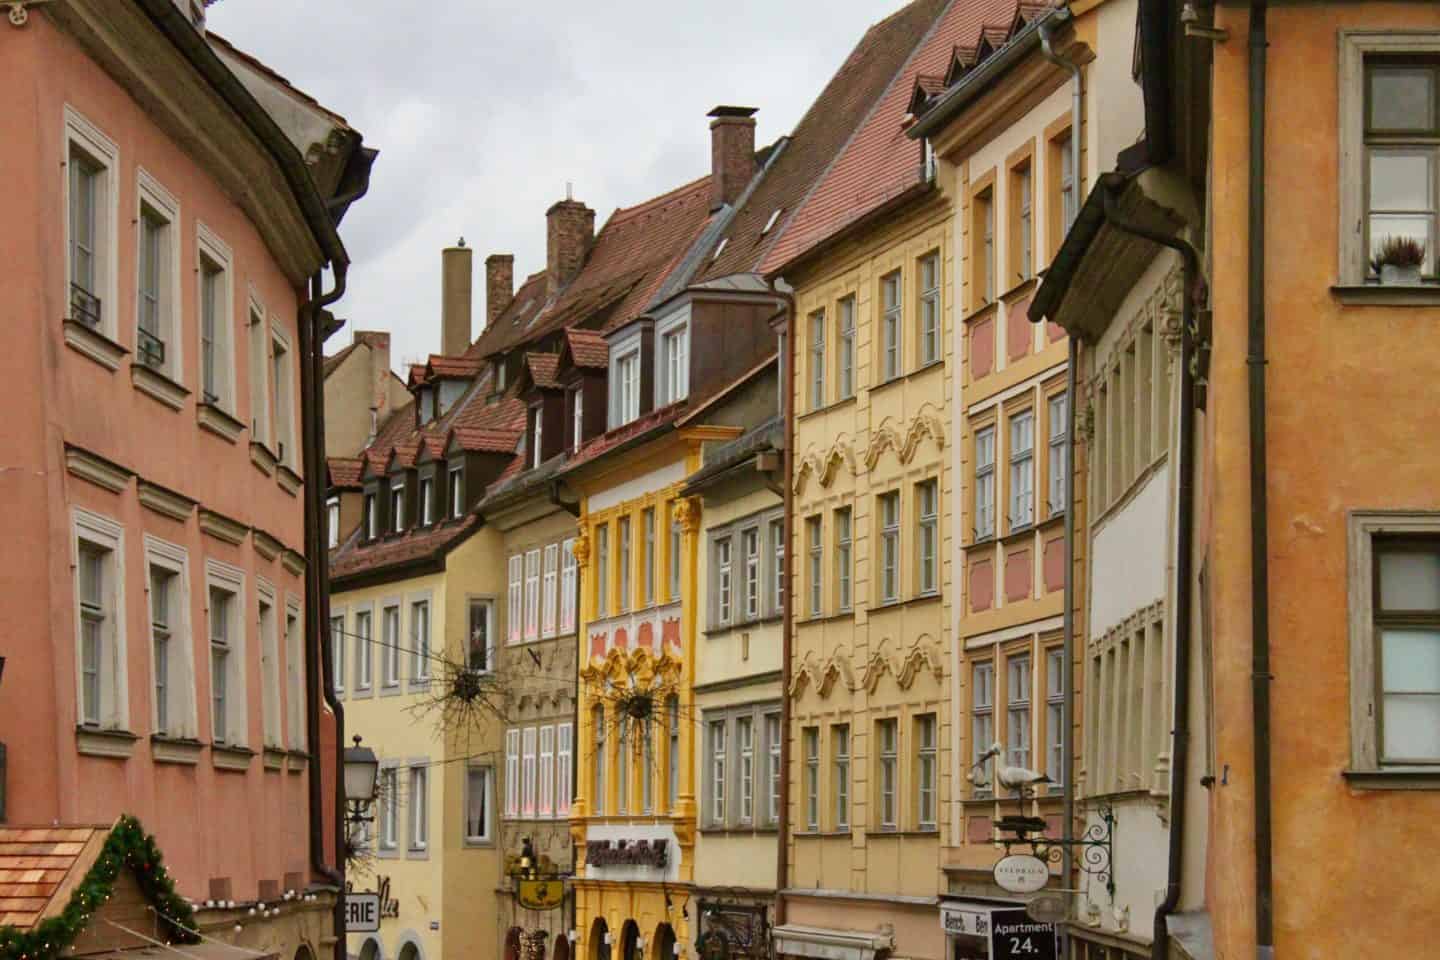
{"x": 372, "y": 519}
{"x": 498, "y": 375}
{"x": 397, "y": 505}
{"x": 537, "y": 428}
{"x": 673, "y": 380}
{"x": 577, "y": 417}
{"x": 457, "y": 491}
{"x": 425, "y": 404}
{"x": 427, "y": 500}
{"x": 627, "y": 387}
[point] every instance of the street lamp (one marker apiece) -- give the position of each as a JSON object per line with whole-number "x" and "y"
{"x": 528, "y": 869}
{"x": 361, "y": 772}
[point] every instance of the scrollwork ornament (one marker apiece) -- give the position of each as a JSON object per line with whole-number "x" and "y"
{"x": 581, "y": 548}
{"x": 687, "y": 514}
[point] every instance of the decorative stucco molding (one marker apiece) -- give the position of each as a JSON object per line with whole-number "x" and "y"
{"x": 904, "y": 666}
{"x": 293, "y": 562}
{"x": 96, "y": 469}
{"x": 823, "y": 465}
{"x": 824, "y": 675}
{"x": 265, "y": 545}
{"x": 889, "y": 436}
{"x": 165, "y": 502}
{"x": 222, "y": 527}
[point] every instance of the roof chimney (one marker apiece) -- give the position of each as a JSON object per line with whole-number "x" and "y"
{"x": 570, "y": 227}
{"x": 732, "y": 153}
{"x": 379, "y": 343}
{"x": 456, "y": 269}
{"x": 499, "y": 285}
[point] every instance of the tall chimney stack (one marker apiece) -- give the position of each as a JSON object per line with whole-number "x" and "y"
{"x": 569, "y": 230}
{"x": 456, "y": 269}
{"x": 732, "y": 153}
{"x": 499, "y": 285}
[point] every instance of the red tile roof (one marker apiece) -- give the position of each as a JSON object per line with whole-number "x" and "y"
{"x": 466, "y": 366}
{"x": 34, "y": 863}
{"x": 587, "y": 349}
{"x": 543, "y": 367}
{"x": 482, "y": 440}
{"x": 345, "y": 472}
{"x": 820, "y": 135}
{"x": 880, "y": 162}
{"x": 597, "y": 446}
{"x": 413, "y": 545}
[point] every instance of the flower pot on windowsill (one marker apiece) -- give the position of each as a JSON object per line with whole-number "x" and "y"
{"x": 1394, "y": 274}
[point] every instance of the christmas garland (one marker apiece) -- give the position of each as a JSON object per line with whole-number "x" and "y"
{"x": 128, "y": 845}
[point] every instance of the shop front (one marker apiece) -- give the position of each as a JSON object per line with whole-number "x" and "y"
{"x": 996, "y": 930}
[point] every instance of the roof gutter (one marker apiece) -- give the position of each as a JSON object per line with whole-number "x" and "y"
{"x": 179, "y": 31}
{"x": 978, "y": 80}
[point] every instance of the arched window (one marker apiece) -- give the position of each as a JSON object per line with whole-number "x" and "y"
{"x": 512, "y": 944}
{"x": 371, "y": 949}
{"x": 663, "y": 947}
{"x": 599, "y": 934}
{"x": 630, "y": 941}
{"x": 410, "y": 951}
{"x": 562, "y": 948}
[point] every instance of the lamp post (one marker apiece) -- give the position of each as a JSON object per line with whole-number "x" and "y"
{"x": 362, "y": 770}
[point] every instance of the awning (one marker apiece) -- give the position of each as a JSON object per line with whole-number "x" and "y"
{"x": 823, "y": 943}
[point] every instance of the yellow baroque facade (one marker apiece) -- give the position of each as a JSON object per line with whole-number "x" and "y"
{"x": 870, "y": 721}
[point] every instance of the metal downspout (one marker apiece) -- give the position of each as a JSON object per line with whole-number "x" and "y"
{"x": 1184, "y": 537}
{"x": 787, "y": 381}
{"x": 1259, "y": 507}
{"x": 1067, "y": 707}
{"x": 318, "y": 666}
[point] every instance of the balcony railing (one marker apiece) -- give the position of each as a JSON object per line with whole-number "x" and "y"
{"x": 84, "y": 306}
{"x": 150, "y": 348}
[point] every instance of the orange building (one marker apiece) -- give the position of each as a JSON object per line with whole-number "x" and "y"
{"x": 164, "y": 239}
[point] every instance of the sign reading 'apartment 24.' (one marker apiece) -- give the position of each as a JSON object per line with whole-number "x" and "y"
{"x": 1014, "y": 936}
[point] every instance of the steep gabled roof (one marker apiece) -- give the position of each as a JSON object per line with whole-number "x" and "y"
{"x": 542, "y": 368}
{"x": 880, "y": 163}
{"x": 819, "y": 136}
{"x": 345, "y": 472}
{"x": 587, "y": 349}
{"x": 332, "y": 362}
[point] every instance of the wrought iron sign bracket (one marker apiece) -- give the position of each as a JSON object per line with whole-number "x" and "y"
{"x": 1092, "y": 850}
{"x": 18, "y": 14}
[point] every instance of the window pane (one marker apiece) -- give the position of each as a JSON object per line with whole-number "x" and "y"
{"x": 1409, "y": 581}
{"x": 1402, "y": 98}
{"x": 1412, "y": 727}
{"x": 1400, "y": 180}
{"x": 1386, "y": 225}
{"x": 1410, "y": 661}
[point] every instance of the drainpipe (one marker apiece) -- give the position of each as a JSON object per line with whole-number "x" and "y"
{"x": 318, "y": 666}
{"x": 787, "y": 381}
{"x": 1185, "y": 523}
{"x": 1259, "y": 508}
{"x": 1067, "y": 707}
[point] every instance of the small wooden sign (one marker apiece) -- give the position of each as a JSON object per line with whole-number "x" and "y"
{"x": 540, "y": 894}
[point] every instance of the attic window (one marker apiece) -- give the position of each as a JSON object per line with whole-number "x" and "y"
{"x": 771, "y": 222}
{"x": 720, "y": 249}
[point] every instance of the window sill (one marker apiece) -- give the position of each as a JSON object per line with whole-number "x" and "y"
{"x": 155, "y": 384}
{"x": 1017, "y": 533}
{"x": 387, "y": 853}
{"x": 1387, "y": 294}
{"x": 95, "y": 742}
{"x": 738, "y": 831}
{"x": 182, "y": 750}
{"x": 418, "y": 686}
{"x": 296, "y": 761}
{"x": 417, "y": 853}
{"x": 1394, "y": 778}
{"x": 476, "y": 843}
{"x": 92, "y": 343}
{"x": 289, "y": 480}
{"x": 720, "y": 629}
{"x": 165, "y": 502}
{"x": 391, "y": 690}
{"x": 262, "y": 457}
{"x": 228, "y": 757}
{"x": 832, "y": 405}
{"x": 1019, "y": 290}
{"x": 826, "y": 617}
{"x": 981, "y": 312}
{"x": 217, "y": 421}
{"x": 273, "y": 758}
{"x": 918, "y": 600}
{"x": 821, "y": 834}
{"x": 890, "y": 832}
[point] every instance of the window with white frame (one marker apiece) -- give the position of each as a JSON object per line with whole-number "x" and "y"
{"x": 1402, "y": 148}
{"x": 162, "y": 583}
{"x": 550, "y": 585}
{"x": 891, "y": 347}
{"x": 817, "y": 359}
{"x": 258, "y": 359}
{"x": 777, "y": 566}
{"x": 750, "y": 543}
{"x": 389, "y": 804}
{"x": 420, "y": 640}
{"x": 282, "y": 395}
{"x": 295, "y": 676}
{"x": 982, "y": 714}
{"x": 815, "y": 552}
{"x": 564, "y": 768}
{"x": 479, "y": 822}
{"x": 675, "y": 553}
{"x": 457, "y": 491}
{"x": 332, "y": 521}
{"x": 647, "y": 765}
{"x": 745, "y": 741}
{"x": 724, "y": 563}
{"x": 1054, "y": 714}
{"x": 515, "y": 599}
{"x": 887, "y": 737}
{"x": 1017, "y": 716}
{"x": 889, "y": 546}
{"x": 602, "y": 570}
{"x": 623, "y": 563}
{"x": 269, "y": 666}
{"x": 527, "y": 772}
{"x": 926, "y": 776}
{"x": 226, "y": 625}
{"x": 91, "y": 224}
{"x": 99, "y": 590}
{"x": 811, "y": 738}
{"x": 1068, "y": 202}
{"x": 532, "y": 594}
{"x": 772, "y": 768}
{"x": 718, "y": 783}
{"x": 927, "y": 510}
{"x": 390, "y": 649}
{"x": 337, "y": 650}
{"x": 623, "y": 761}
{"x": 984, "y": 483}
{"x": 1058, "y": 414}
{"x": 929, "y": 308}
{"x": 647, "y": 558}
{"x": 674, "y": 381}
{"x": 427, "y": 500}
{"x": 626, "y": 387}
{"x": 397, "y": 504}
{"x": 569, "y": 585}
{"x": 577, "y": 417}
{"x": 597, "y": 764}
{"x": 545, "y": 802}
{"x": 1025, "y": 221}
{"x": 845, "y": 360}
{"x": 157, "y": 344}
{"x": 372, "y": 516}
{"x": 844, "y": 564}
{"x": 480, "y": 656}
{"x": 217, "y": 363}
{"x": 672, "y": 728}
{"x": 1022, "y": 470}
{"x": 419, "y": 807}
{"x": 537, "y": 430}
{"x": 512, "y": 773}
{"x": 364, "y": 650}
{"x": 840, "y": 771}
{"x": 172, "y": 667}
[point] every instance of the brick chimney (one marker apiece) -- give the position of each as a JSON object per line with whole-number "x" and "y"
{"x": 499, "y": 285}
{"x": 379, "y": 343}
{"x": 732, "y": 153}
{"x": 569, "y": 230}
{"x": 456, "y": 270}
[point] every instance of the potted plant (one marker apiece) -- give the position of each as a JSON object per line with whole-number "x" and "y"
{"x": 1399, "y": 260}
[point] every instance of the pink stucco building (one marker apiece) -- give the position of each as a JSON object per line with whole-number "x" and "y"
{"x": 169, "y": 207}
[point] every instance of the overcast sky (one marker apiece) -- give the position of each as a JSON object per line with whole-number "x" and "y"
{"x": 483, "y": 109}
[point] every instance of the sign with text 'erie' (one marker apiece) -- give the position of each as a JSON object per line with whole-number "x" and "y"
{"x": 362, "y": 912}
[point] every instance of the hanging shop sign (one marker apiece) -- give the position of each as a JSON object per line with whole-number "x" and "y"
{"x": 540, "y": 894}
{"x": 362, "y": 912}
{"x": 1014, "y": 936}
{"x": 1050, "y": 908}
{"x": 1021, "y": 873}
{"x": 966, "y": 921}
